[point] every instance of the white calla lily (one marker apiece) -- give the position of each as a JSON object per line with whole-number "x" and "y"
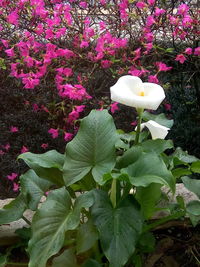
{"x": 131, "y": 91}
{"x": 156, "y": 130}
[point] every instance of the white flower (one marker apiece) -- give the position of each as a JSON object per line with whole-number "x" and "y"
{"x": 156, "y": 130}
{"x": 131, "y": 91}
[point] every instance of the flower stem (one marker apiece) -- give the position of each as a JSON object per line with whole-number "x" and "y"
{"x": 26, "y": 220}
{"x": 113, "y": 193}
{"x": 140, "y": 111}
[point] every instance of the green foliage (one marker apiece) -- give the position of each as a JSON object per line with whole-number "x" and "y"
{"x": 161, "y": 119}
{"x": 33, "y": 188}
{"x": 67, "y": 258}
{"x": 50, "y": 223}
{"x": 118, "y": 227}
{"x": 13, "y": 211}
{"x": 95, "y": 216}
{"x": 48, "y": 165}
{"x": 192, "y": 185}
{"x": 93, "y": 149}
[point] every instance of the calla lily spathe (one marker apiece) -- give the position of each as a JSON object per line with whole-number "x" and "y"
{"x": 131, "y": 91}
{"x": 157, "y": 131}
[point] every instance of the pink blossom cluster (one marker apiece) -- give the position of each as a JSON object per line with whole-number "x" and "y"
{"x": 67, "y": 43}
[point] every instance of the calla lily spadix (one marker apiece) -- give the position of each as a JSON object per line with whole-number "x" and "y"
{"x": 156, "y": 130}
{"x": 131, "y": 91}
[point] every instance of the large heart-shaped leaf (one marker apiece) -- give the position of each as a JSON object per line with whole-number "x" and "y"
{"x": 118, "y": 227}
{"x": 150, "y": 168}
{"x": 33, "y": 188}
{"x": 13, "y": 211}
{"x": 51, "y": 222}
{"x": 48, "y": 165}
{"x": 93, "y": 148}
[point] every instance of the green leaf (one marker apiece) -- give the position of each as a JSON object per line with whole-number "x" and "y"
{"x": 118, "y": 227}
{"x": 129, "y": 157}
{"x": 86, "y": 237}
{"x": 158, "y": 145}
{"x": 183, "y": 157}
{"x": 149, "y": 168}
{"x": 33, "y": 188}
{"x": 48, "y": 165}
{"x": 193, "y": 207}
{"x": 178, "y": 172}
{"x": 147, "y": 242}
{"x": 192, "y": 185}
{"x": 3, "y": 260}
{"x": 193, "y": 210}
{"x": 195, "y": 167}
{"x": 161, "y": 119}
{"x": 91, "y": 263}
{"x": 148, "y": 197}
{"x": 93, "y": 148}
{"x": 66, "y": 259}
{"x": 13, "y": 211}
{"x": 50, "y": 223}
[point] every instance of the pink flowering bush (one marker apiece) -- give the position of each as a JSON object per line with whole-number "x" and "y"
{"x": 70, "y": 52}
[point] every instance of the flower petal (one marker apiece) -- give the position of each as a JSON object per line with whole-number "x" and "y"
{"x": 156, "y": 130}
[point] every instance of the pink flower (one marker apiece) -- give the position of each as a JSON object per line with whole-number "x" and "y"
{"x": 183, "y": 9}
{"x": 114, "y": 107}
{"x": 5, "y": 43}
{"x": 153, "y": 79}
{"x": 13, "y": 18}
{"x": 187, "y": 21}
{"x": 188, "y": 51}
{"x": 15, "y": 187}
{"x": 134, "y": 123}
{"x": 12, "y": 176}
{"x": 35, "y": 107}
{"x": 83, "y": 4}
{"x": 135, "y": 72}
{"x": 197, "y": 51}
{"x": 106, "y": 64}
{"x": 151, "y": 2}
{"x": 44, "y": 146}
{"x": 159, "y": 11}
{"x": 150, "y": 21}
{"x": 53, "y": 132}
{"x": 7, "y": 147}
{"x": 74, "y": 115}
{"x": 1, "y": 152}
{"x": 84, "y": 44}
{"x": 68, "y": 136}
{"x": 10, "y": 52}
{"x": 180, "y": 58}
{"x": 80, "y": 108}
{"x": 13, "y": 129}
{"x": 102, "y": 25}
{"x": 140, "y": 5}
{"x": 162, "y": 66}
{"x": 24, "y": 150}
{"x": 167, "y": 106}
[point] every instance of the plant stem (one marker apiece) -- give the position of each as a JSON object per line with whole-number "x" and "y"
{"x": 26, "y": 220}
{"x": 140, "y": 111}
{"x": 113, "y": 192}
{"x": 176, "y": 215}
{"x": 96, "y": 251}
